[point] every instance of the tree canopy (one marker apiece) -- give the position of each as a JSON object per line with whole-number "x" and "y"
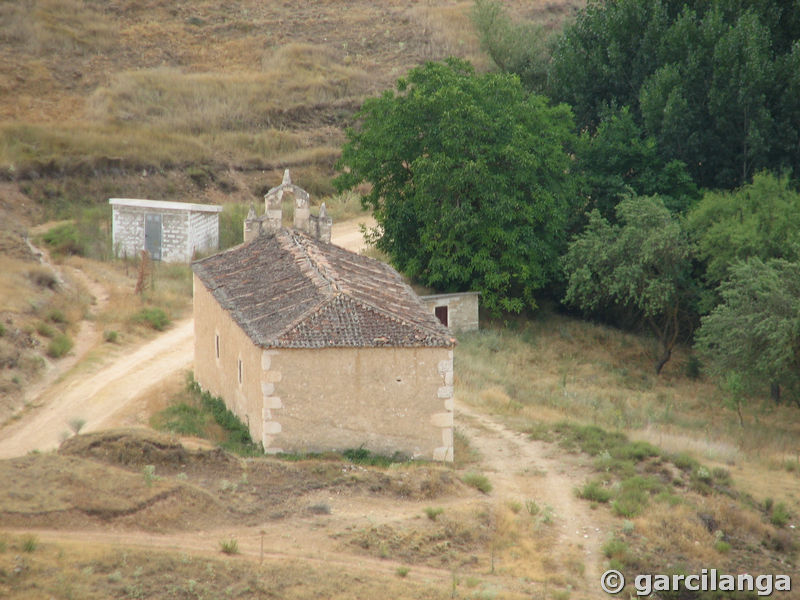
{"x": 717, "y": 84}
{"x": 618, "y": 160}
{"x": 470, "y": 181}
{"x": 641, "y": 264}
{"x": 753, "y": 335}
{"x": 761, "y": 219}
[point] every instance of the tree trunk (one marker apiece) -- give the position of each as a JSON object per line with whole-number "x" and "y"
{"x": 667, "y": 354}
{"x": 775, "y": 391}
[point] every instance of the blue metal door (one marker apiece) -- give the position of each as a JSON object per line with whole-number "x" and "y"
{"x": 152, "y": 235}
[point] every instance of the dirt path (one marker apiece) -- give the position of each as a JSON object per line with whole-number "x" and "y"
{"x": 96, "y": 397}
{"x": 520, "y": 468}
{"x": 347, "y": 234}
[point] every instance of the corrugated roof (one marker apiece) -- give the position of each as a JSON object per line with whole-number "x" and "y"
{"x": 292, "y": 291}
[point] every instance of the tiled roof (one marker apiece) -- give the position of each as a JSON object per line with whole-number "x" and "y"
{"x": 292, "y": 291}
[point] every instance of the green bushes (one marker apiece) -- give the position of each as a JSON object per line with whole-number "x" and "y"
{"x": 64, "y": 239}
{"x": 477, "y": 480}
{"x": 153, "y": 317}
{"x": 59, "y": 346}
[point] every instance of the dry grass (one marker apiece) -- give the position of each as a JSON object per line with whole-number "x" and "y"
{"x": 96, "y": 571}
{"x": 556, "y": 368}
{"x": 525, "y": 545}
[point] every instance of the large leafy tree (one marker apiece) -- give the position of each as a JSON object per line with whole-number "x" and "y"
{"x": 640, "y": 265}
{"x": 716, "y": 83}
{"x": 470, "y": 181}
{"x": 752, "y": 337}
{"x": 761, "y": 219}
{"x": 619, "y": 160}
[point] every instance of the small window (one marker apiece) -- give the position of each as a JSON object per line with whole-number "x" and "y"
{"x": 216, "y": 344}
{"x": 240, "y": 371}
{"x": 441, "y": 314}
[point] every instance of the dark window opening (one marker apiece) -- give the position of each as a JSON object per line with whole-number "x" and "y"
{"x": 240, "y": 371}
{"x": 441, "y": 314}
{"x": 216, "y": 343}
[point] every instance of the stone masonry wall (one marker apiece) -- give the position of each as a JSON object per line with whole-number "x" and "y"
{"x": 384, "y": 399}
{"x": 462, "y": 309}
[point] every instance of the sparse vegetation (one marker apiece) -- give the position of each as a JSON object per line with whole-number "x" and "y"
{"x": 194, "y": 411}
{"x": 433, "y": 513}
{"x": 477, "y": 480}
{"x": 153, "y": 317}
{"x": 30, "y": 543}
{"x": 76, "y": 425}
{"x": 59, "y": 345}
{"x": 229, "y": 546}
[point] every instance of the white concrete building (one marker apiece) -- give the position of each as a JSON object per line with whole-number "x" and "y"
{"x": 169, "y": 231}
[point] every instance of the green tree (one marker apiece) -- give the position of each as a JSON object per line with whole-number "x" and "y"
{"x": 515, "y": 47}
{"x": 470, "y": 181}
{"x": 761, "y": 219}
{"x": 619, "y": 160}
{"x": 716, "y": 83}
{"x": 640, "y": 265}
{"x": 753, "y": 336}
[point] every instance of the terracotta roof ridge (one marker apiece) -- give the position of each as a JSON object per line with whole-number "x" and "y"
{"x": 316, "y": 263}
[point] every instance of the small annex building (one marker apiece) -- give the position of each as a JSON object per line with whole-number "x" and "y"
{"x": 169, "y": 231}
{"x": 317, "y": 348}
{"x": 457, "y": 311}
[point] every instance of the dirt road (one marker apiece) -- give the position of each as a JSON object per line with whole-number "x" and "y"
{"x": 96, "y": 397}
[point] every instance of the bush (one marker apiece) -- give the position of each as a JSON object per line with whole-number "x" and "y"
{"x": 30, "y": 543}
{"x": 433, "y": 513}
{"x": 64, "y": 239}
{"x": 153, "y": 317}
{"x": 2, "y": 330}
{"x": 56, "y": 315}
{"x": 110, "y": 336}
{"x": 45, "y": 330}
{"x": 230, "y": 546}
{"x": 59, "y": 346}
{"x": 362, "y": 456}
{"x": 478, "y": 481}
{"x": 780, "y": 515}
{"x": 595, "y": 492}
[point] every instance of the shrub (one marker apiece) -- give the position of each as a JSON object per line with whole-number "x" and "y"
{"x": 76, "y": 425}
{"x": 780, "y": 515}
{"x": 153, "y": 317}
{"x": 110, "y": 336}
{"x": 694, "y": 367}
{"x": 149, "y": 474}
{"x": 615, "y": 548}
{"x": 402, "y": 571}
{"x": 477, "y": 480}
{"x": 30, "y": 543}
{"x": 722, "y": 546}
{"x": 43, "y": 277}
{"x": 56, "y": 315}
{"x": 594, "y": 491}
{"x": 362, "y": 456}
{"x": 45, "y": 330}
{"x": 433, "y": 513}
{"x": 2, "y": 330}
{"x": 65, "y": 239}
{"x": 59, "y": 346}
{"x": 230, "y": 546}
